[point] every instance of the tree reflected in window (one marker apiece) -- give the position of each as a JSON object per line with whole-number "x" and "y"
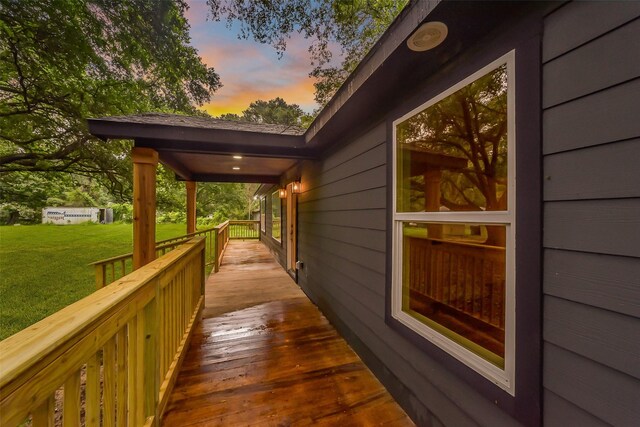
{"x": 452, "y": 156}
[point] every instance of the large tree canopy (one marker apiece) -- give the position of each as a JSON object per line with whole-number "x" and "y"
{"x": 275, "y": 111}
{"x": 62, "y": 61}
{"x": 353, "y": 25}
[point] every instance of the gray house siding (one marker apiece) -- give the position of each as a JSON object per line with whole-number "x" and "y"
{"x": 591, "y": 148}
{"x": 342, "y": 241}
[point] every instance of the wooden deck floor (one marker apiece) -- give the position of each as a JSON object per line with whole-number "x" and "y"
{"x": 264, "y": 355}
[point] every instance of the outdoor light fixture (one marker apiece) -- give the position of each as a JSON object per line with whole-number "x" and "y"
{"x": 236, "y": 168}
{"x": 282, "y": 193}
{"x": 296, "y": 187}
{"x": 237, "y": 157}
{"x": 428, "y": 36}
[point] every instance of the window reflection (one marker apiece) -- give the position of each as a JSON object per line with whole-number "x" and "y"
{"x": 452, "y": 156}
{"x": 454, "y": 281}
{"x": 276, "y": 221}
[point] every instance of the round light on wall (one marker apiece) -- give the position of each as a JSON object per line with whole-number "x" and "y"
{"x": 428, "y": 36}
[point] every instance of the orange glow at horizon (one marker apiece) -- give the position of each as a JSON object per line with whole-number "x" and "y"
{"x": 300, "y": 92}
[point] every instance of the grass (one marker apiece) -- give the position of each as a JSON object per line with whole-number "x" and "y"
{"x": 43, "y": 268}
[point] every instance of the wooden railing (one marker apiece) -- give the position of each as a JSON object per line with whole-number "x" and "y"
{"x": 120, "y": 348}
{"x": 248, "y": 229}
{"x": 222, "y": 239}
{"x": 110, "y": 269}
{"x": 464, "y": 277}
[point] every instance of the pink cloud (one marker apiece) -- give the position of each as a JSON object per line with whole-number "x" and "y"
{"x": 248, "y": 70}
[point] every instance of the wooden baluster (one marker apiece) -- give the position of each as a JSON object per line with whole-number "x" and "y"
{"x": 100, "y": 276}
{"x": 71, "y": 406}
{"x": 92, "y": 392}
{"x": 109, "y": 382}
{"x": 44, "y": 415}
{"x": 122, "y": 376}
{"x": 216, "y": 265}
{"x": 132, "y": 375}
{"x": 161, "y": 335}
{"x": 113, "y": 272}
{"x": 150, "y": 361}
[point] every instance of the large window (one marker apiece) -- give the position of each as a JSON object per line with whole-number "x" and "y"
{"x": 454, "y": 221}
{"x": 263, "y": 214}
{"x": 276, "y": 216}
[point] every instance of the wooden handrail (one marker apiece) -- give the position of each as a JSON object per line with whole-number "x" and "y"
{"x": 135, "y": 332}
{"x": 110, "y": 269}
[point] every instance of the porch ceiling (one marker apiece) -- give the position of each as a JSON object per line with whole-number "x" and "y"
{"x": 203, "y": 149}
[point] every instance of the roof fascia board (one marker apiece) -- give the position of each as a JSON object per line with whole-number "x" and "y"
{"x": 111, "y": 129}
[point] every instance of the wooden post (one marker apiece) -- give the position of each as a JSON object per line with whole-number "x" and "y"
{"x": 191, "y": 206}
{"x": 145, "y": 161}
{"x": 432, "y": 178}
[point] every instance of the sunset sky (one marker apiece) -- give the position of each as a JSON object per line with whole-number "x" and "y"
{"x": 248, "y": 70}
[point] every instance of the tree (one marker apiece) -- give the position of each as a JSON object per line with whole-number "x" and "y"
{"x": 275, "y": 111}
{"x": 63, "y": 61}
{"x": 354, "y": 25}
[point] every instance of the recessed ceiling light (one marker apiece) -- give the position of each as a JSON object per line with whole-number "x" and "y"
{"x": 237, "y": 157}
{"x": 428, "y": 36}
{"x": 236, "y": 168}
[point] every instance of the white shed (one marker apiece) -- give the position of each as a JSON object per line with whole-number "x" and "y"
{"x": 66, "y": 215}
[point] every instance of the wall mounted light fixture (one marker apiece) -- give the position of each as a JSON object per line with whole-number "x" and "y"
{"x": 282, "y": 193}
{"x": 296, "y": 187}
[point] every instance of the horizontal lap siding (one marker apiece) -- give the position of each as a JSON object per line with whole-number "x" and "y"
{"x": 591, "y": 147}
{"x": 342, "y": 242}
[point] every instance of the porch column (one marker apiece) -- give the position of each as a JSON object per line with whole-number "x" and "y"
{"x": 145, "y": 161}
{"x": 191, "y": 206}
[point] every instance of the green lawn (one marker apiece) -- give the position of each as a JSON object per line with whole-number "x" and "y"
{"x": 44, "y": 267}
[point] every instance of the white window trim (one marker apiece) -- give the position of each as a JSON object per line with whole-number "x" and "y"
{"x": 263, "y": 213}
{"x": 504, "y": 379}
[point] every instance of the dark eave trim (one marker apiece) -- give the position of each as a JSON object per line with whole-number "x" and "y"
{"x": 111, "y": 129}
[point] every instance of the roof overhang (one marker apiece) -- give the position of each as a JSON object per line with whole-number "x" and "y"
{"x": 211, "y": 150}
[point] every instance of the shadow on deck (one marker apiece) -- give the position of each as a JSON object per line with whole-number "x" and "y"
{"x": 265, "y": 355}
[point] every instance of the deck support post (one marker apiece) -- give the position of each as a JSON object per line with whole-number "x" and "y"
{"x": 191, "y": 206}
{"x": 145, "y": 161}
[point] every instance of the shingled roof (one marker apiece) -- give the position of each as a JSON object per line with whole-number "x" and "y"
{"x": 203, "y": 122}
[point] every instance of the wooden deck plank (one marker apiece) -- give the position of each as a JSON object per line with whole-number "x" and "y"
{"x": 264, "y": 355}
